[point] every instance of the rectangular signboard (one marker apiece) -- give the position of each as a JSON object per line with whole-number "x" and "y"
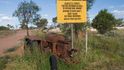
{"x": 71, "y": 11}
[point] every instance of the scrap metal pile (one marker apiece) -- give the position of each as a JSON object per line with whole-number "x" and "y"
{"x": 55, "y": 43}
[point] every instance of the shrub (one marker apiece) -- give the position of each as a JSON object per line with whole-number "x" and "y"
{"x": 4, "y": 28}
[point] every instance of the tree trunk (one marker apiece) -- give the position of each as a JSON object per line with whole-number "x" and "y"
{"x": 27, "y": 30}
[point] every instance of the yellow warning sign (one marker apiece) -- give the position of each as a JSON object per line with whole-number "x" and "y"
{"x": 71, "y": 11}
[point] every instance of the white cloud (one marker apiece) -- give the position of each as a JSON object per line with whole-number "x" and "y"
{"x": 121, "y": 6}
{"x": 118, "y": 13}
{"x": 114, "y": 7}
{"x": 1, "y": 15}
{"x": 117, "y": 10}
{"x": 4, "y": 20}
{"x": 44, "y": 15}
{"x": 111, "y": 7}
{"x": 49, "y": 20}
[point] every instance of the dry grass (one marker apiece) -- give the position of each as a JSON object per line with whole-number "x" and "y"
{"x": 5, "y": 33}
{"x": 104, "y": 53}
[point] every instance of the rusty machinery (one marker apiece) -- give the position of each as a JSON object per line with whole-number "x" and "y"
{"x": 57, "y": 44}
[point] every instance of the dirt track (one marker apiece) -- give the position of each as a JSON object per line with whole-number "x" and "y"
{"x": 11, "y": 40}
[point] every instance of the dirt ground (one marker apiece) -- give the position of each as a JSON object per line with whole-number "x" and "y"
{"x": 11, "y": 40}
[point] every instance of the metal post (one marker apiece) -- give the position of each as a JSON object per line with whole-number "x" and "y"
{"x": 86, "y": 37}
{"x": 86, "y": 41}
{"x": 53, "y": 62}
{"x": 72, "y": 35}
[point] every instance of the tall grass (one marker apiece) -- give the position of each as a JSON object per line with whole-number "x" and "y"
{"x": 104, "y": 53}
{"x": 3, "y": 61}
{"x": 32, "y": 60}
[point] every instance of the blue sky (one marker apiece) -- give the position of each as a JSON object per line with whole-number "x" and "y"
{"x": 48, "y": 9}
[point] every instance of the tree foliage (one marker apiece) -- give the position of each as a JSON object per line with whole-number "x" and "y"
{"x": 10, "y": 26}
{"x": 119, "y": 22}
{"x": 90, "y": 4}
{"x": 54, "y": 20}
{"x": 26, "y": 12}
{"x": 41, "y": 23}
{"x": 104, "y": 21}
{"x": 23, "y": 25}
{"x": 4, "y": 28}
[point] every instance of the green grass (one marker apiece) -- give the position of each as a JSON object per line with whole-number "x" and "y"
{"x": 34, "y": 60}
{"x": 3, "y": 61}
{"x": 104, "y": 53}
{"x": 39, "y": 33}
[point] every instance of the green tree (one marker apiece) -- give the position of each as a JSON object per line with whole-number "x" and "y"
{"x": 10, "y": 26}
{"x": 104, "y": 21}
{"x": 23, "y": 25}
{"x": 41, "y": 23}
{"x": 119, "y": 22}
{"x": 90, "y": 4}
{"x": 4, "y": 28}
{"x": 26, "y": 12}
{"x": 54, "y": 21}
